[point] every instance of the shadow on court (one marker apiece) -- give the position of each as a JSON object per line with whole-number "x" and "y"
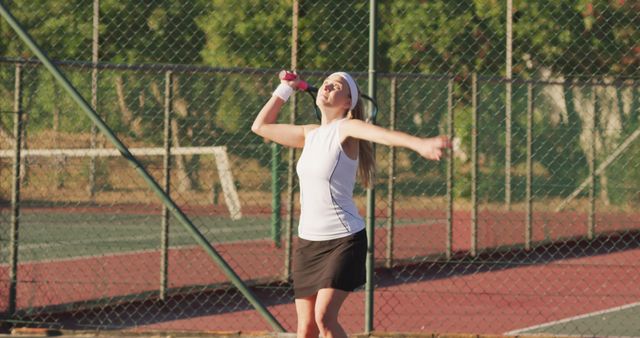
{"x": 462, "y": 263}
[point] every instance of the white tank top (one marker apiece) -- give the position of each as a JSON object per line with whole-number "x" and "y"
{"x": 327, "y": 177}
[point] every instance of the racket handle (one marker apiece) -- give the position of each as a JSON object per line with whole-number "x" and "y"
{"x": 290, "y": 76}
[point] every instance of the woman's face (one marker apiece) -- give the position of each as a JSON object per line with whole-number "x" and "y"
{"x": 334, "y": 93}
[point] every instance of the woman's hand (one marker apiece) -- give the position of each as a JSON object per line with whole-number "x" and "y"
{"x": 292, "y": 83}
{"x": 431, "y": 148}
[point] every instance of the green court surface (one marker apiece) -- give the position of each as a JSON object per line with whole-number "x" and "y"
{"x": 46, "y": 236}
{"x": 622, "y": 321}
{"x": 59, "y": 235}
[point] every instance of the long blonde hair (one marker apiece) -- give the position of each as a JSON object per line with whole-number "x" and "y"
{"x": 366, "y": 164}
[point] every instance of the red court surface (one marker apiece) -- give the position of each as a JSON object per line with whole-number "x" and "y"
{"x": 490, "y": 302}
{"x": 485, "y": 295}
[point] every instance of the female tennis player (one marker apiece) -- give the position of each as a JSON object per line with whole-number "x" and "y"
{"x": 329, "y": 260}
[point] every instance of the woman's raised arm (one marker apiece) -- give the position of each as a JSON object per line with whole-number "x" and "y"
{"x": 289, "y": 135}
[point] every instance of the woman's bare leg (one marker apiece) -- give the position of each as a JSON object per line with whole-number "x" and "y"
{"x": 328, "y": 303}
{"x": 305, "y": 307}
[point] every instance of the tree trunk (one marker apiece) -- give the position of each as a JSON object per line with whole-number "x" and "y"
{"x": 604, "y": 188}
{"x": 554, "y": 97}
{"x": 186, "y": 182}
{"x": 127, "y": 115}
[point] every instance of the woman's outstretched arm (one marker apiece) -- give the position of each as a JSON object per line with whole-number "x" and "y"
{"x": 429, "y": 148}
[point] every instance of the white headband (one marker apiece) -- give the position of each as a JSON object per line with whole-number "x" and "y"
{"x": 352, "y": 87}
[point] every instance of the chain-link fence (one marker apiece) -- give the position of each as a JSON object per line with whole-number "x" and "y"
{"x": 528, "y": 226}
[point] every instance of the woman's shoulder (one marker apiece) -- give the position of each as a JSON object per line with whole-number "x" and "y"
{"x": 309, "y": 128}
{"x": 348, "y": 126}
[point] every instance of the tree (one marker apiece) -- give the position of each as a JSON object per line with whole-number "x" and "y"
{"x": 443, "y": 36}
{"x": 257, "y": 34}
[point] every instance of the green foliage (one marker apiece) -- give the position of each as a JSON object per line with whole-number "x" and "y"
{"x": 229, "y": 116}
{"x": 7, "y": 72}
{"x": 578, "y": 38}
{"x": 246, "y": 33}
{"x": 60, "y": 27}
{"x": 442, "y": 36}
{"x": 334, "y": 36}
{"x": 583, "y": 38}
{"x": 624, "y": 172}
{"x": 624, "y": 175}
{"x": 163, "y": 31}
{"x": 43, "y": 98}
{"x": 257, "y": 34}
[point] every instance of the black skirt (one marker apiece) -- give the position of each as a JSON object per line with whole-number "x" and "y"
{"x": 336, "y": 264}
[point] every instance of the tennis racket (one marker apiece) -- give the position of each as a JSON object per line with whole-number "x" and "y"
{"x": 311, "y": 90}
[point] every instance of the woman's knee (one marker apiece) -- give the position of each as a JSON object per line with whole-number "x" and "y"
{"x": 306, "y": 316}
{"x": 306, "y": 323}
{"x": 326, "y": 320}
{"x": 307, "y": 329}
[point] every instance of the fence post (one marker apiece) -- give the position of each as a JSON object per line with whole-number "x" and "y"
{"x": 474, "y": 166}
{"x": 507, "y": 106}
{"x": 15, "y": 191}
{"x": 450, "y": 167}
{"x": 166, "y": 166}
{"x": 373, "y": 41}
{"x": 528, "y": 228}
{"x": 94, "y": 96}
{"x": 288, "y": 243}
{"x": 591, "y": 226}
{"x": 391, "y": 173}
{"x": 289, "y": 225}
{"x": 276, "y": 203}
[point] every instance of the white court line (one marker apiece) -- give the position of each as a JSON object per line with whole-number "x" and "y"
{"x": 561, "y": 321}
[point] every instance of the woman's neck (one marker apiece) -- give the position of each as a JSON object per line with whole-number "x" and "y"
{"x": 326, "y": 120}
{"x": 328, "y": 117}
